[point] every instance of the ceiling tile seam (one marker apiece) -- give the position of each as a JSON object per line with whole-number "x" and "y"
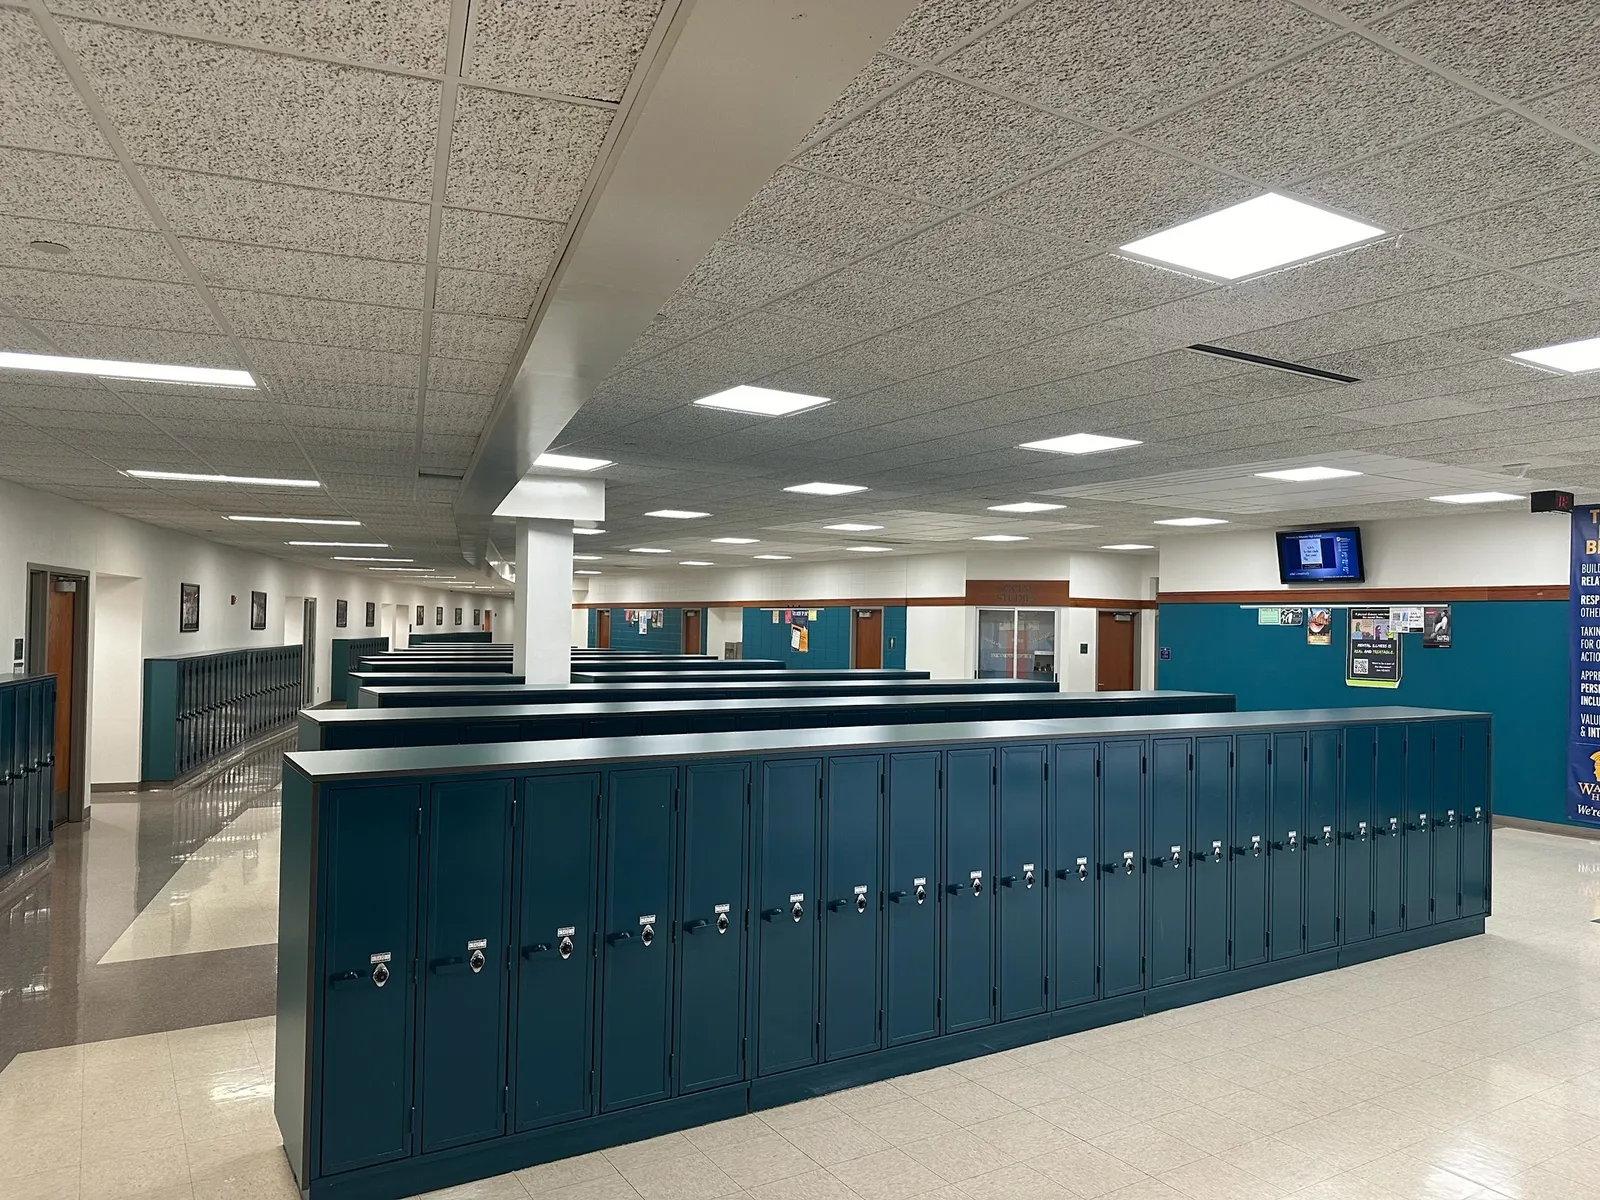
{"x": 983, "y": 31}
{"x": 113, "y": 138}
{"x": 855, "y": 114}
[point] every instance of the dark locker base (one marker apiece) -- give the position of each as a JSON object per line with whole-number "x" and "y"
{"x": 467, "y": 1163}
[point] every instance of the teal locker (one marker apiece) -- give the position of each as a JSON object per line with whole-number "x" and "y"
{"x": 1446, "y": 836}
{"x": 911, "y": 977}
{"x": 1355, "y": 834}
{"x": 710, "y": 1033}
{"x": 1388, "y": 805}
{"x": 1285, "y": 862}
{"x": 1417, "y": 905}
{"x": 9, "y": 773}
{"x": 461, "y": 1069}
{"x": 25, "y": 781}
{"x": 1121, "y": 880}
{"x": 851, "y": 934}
{"x": 1020, "y": 874}
{"x": 558, "y": 819}
{"x": 786, "y": 970}
{"x": 1474, "y": 818}
{"x": 1322, "y": 840}
{"x": 1252, "y": 782}
{"x": 1213, "y": 793}
{"x": 968, "y": 907}
{"x": 1075, "y": 864}
{"x": 1167, "y": 861}
{"x": 636, "y": 958}
{"x": 369, "y": 945}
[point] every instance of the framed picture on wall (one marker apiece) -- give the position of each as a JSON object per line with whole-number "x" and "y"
{"x": 420, "y": 618}
{"x": 188, "y": 608}
{"x": 438, "y": 615}
{"x": 258, "y": 610}
{"x": 458, "y": 616}
{"x": 477, "y": 617}
{"x": 372, "y": 614}
{"x": 341, "y": 613}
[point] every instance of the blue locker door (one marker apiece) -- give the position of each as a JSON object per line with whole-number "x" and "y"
{"x": 1213, "y": 791}
{"x": 461, "y": 1078}
{"x": 8, "y": 769}
{"x": 1388, "y": 805}
{"x": 1418, "y": 823}
{"x": 852, "y": 964}
{"x": 636, "y": 955}
{"x": 1446, "y": 837}
{"x": 370, "y": 864}
{"x": 560, "y": 817}
{"x": 1355, "y": 834}
{"x": 968, "y": 908}
{"x": 1121, "y": 881}
{"x": 1286, "y": 885}
{"x": 22, "y": 783}
{"x": 1167, "y": 861}
{"x": 1021, "y": 876}
{"x": 911, "y": 978}
{"x": 710, "y": 1041}
{"x": 786, "y": 981}
{"x": 1252, "y": 773}
{"x": 1322, "y": 840}
{"x": 1075, "y": 872}
{"x": 1475, "y": 818}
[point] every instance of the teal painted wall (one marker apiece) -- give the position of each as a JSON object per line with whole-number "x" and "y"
{"x": 590, "y": 642}
{"x": 828, "y": 643}
{"x": 663, "y": 639}
{"x": 894, "y": 637}
{"x": 1509, "y": 659}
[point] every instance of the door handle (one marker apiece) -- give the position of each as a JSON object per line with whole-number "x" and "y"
{"x": 697, "y": 923}
{"x": 616, "y": 939}
{"x": 440, "y": 965}
{"x": 1008, "y": 880}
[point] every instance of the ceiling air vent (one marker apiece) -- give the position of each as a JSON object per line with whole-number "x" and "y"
{"x": 457, "y": 476}
{"x": 1276, "y": 364}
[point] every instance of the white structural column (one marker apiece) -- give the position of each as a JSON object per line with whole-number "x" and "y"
{"x": 543, "y": 624}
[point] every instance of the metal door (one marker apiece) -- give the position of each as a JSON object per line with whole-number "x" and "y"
{"x": 1322, "y": 840}
{"x": 1167, "y": 861}
{"x": 1355, "y": 834}
{"x": 911, "y": 977}
{"x": 1286, "y": 886}
{"x": 1121, "y": 881}
{"x": 461, "y": 1079}
{"x": 710, "y": 1041}
{"x": 851, "y": 965}
{"x": 636, "y": 955}
{"x": 369, "y": 946}
{"x": 1252, "y": 770}
{"x": 1445, "y": 899}
{"x": 968, "y": 908}
{"x": 1418, "y": 822}
{"x": 786, "y": 980}
{"x": 1020, "y": 874}
{"x": 1475, "y": 818}
{"x": 1213, "y": 788}
{"x": 559, "y": 819}
{"x": 1075, "y": 882}
{"x": 1388, "y": 803}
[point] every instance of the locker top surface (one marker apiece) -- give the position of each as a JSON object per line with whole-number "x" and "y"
{"x": 695, "y": 676}
{"x": 385, "y": 689}
{"x": 441, "y": 678}
{"x": 327, "y": 766}
{"x": 294, "y": 648}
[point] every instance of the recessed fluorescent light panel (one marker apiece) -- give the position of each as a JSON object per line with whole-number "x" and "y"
{"x": 1128, "y": 546}
{"x": 695, "y": 562}
{"x": 416, "y": 570}
{"x": 108, "y": 368}
{"x": 736, "y": 541}
{"x": 192, "y": 477}
{"x": 1476, "y": 498}
{"x": 774, "y": 557}
{"x": 676, "y": 514}
{"x": 586, "y": 572}
{"x": 1570, "y": 358}
{"x": 848, "y": 527}
{"x": 344, "y": 545}
{"x": 762, "y": 402}
{"x": 648, "y": 550}
{"x": 1258, "y": 235}
{"x": 586, "y": 532}
{"x": 1080, "y": 443}
{"x": 1025, "y": 506}
{"x": 870, "y": 549}
{"x": 360, "y": 558}
{"x": 1192, "y": 521}
{"x": 296, "y": 520}
{"x": 571, "y": 462}
{"x": 1000, "y": 537}
{"x": 1308, "y": 474}
{"x": 585, "y": 558}
{"x": 825, "y": 489}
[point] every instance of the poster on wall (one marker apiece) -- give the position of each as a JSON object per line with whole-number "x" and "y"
{"x": 1406, "y": 618}
{"x": 1374, "y": 656}
{"x": 188, "y": 608}
{"x": 477, "y": 617}
{"x": 438, "y": 615}
{"x": 341, "y": 613}
{"x": 1319, "y": 629}
{"x": 1280, "y": 616}
{"x": 258, "y": 610}
{"x": 1436, "y": 627}
{"x": 372, "y": 614}
{"x": 420, "y": 619}
{"x": 1583, "y": 619}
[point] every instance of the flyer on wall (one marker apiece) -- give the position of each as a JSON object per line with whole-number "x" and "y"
{"x": 1319, "y": 628}
{"x": 1373, "y": 659}
{"x": 1436, "y": 627}
{"x": 1583, "y": 753}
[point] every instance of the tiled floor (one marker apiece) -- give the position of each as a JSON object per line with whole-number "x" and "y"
{"x": 1470, "y": 1070}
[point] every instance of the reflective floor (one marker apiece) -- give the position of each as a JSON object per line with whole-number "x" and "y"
{"x": 137, "y": 1011}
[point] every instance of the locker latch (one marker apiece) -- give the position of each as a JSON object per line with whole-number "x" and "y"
{"x": 1255, "y": 845}
{"x": 1127, "y": 862}
{"x": 977, "y": 883}
{"x": 1175, "y": 857}
{"x": 1216, "y": 852}
{"x": 722, "y": 911}
{"x": 475, "y": 955}
{"x": 797, "y": 907}
{"x": 380, "y": 969}
{"x": 1294, "y": 840}
{"x": 564, "y": 946}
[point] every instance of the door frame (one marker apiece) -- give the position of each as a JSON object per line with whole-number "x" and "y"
{"x": 856, "y": 609}
{"x": 1133, "y": 623}
{"x": 38, "y": 600}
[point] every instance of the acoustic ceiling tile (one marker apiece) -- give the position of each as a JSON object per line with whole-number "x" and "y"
{"x": 865, "y": 300}
{"x": 84, "y": 396}
{"x": 1465, "y": 302}
{"x": 141, "y": 345}
{"x": 205, "y": 107}
{"x": 585, "y": 49}
{"x": 1558, "y": 222}
{"x": 1403, "y": 357}
{"x": 522, "y": 154}
{"x": 21, "y": 336}
{"x": 355, "y": 397}
{"x": 1571, "y": 272}
{"x": 802, "y": 213}
{"x": 179, "y": 414}
{"x": 1366, "y": 273}
{"x": 287, "y": 362}
{"x": 321, "y": 322}
{"x": 779, "y": 338}
{"x": 52, "y": 295}
{"x": 879, "y": 75}
{"x": 103, "y": 422}
{"x": 484, "y": 293}
{"x": 740, "y": 276}
{"x": 1210, "y": 316}
{"x": 496, "y": 242}
{"x": 481, "y": 339}
{"x": 306, "y": 417}
{"x": 1434, "y": 408}
{"x": 67, "y": 188}
{"x": 974, "y": 256}
{"x": 686, "y": 315}
{"x": 1566, "y": 323}
{"x": 43, "y": 110}
{"x": 937, "y": 26}
{"x": 1301, "y": 340}
{"x": 464, "y": 375}
{"x": 301, "y": 273}
{"x": 1503, "y": 47}
{"x": 1101, "y": 287}
{"x": 118, "y": 253}
{"x": 1576, "y": 108}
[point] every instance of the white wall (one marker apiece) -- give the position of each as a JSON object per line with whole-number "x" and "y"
{"x": 723, "y": 625}
{"x": 114, "y": 708}
{"x": 939, "y": 641}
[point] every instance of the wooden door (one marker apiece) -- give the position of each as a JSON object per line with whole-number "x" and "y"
{"x": 868, "y": 639}
{"x": 691, "y": 631}
{"x": 602, "y": 628}
{"x": 1114, "y": 659}
{"x": 60, "y": 629}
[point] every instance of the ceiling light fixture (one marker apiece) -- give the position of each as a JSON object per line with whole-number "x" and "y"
{"x": 761, "y": 402}
{"x": 585, "y": 558}
{"x": 775, "y": 557}
{"x": 193, "y": 477}
{"x": 1308, "y": 474}
{"x": 869, "y": 549}
{"x": 825, "y": 489}
{"x": 1569, "y": 358}
{"x": 1476, "y": 498}
{"x": 1080, "y": 443}
{"x": 296, "y": 520}
{"x": 586, "y": 572}
{"x": 849, "y": 527}
{"x": 110, "y": 368}
{"x": 343, "y": 545}
{"x": 1128, "y": 546}
{"x": 417, "y": 570}
{"x": 695, "y": 562}
{"x": 1000, "y": 537}
{"x": 359, "y": 558}
{"x": 586, "y": 532}
{"x": 570, "y": 462}
{"x": 1192, "y": 521}
{"x": 736, "y": 541}
{"x": 648, "y": 550}
{"x": 1025, "y": 506}
{"x": 1258, "y": 235}
{"x": 677, "y": 514}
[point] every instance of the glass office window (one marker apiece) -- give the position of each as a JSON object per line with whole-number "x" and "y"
{"x": 1016, "y": 643}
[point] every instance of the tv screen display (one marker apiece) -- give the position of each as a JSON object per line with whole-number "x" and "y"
{"x": 1321, "y": 556}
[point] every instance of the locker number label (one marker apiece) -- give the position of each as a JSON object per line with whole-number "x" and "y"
{"x": 1083, "y": 862}
{"x": 567, "y": 931}
{"x": 648, "y": 919}
{"x": 1027, "y": 866}
{"x": 478, "y": 944}
{"x": 977, "y": 875}
{"x": 721, "y": 908}
{"x": 861, "y": 889}
{"x": 378, "y": 958}
{"x": 920, "y": 881}
{"x": 796, "y": 897}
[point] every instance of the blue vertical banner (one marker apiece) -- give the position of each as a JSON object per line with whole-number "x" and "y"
{"x": 1583, "y": 747}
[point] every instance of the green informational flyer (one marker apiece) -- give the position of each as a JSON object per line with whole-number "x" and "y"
{"x": 1373, "y": 659}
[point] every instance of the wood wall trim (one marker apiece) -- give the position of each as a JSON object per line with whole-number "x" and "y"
{"x": 877, "y": 602}
{"x": 1301, "y": 597}
{"x": 1110, "y": 605}
{"x": 1018, "y": 593}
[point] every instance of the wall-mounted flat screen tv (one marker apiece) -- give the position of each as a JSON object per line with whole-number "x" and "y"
{"x": 1321, "y": 556}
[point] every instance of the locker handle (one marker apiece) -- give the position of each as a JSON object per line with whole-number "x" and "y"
{"x": 346, "y": 977}
{"x": 1412, "y": 827}
{"x": 837, "y": 905}
{"x": 439, "y": 965}
{"x": 613, "y": 939}
{"x": 1009, "y": 880}
{"x": 536, "y": 948}
{"x": 697, "y": 923}
{"x": 898, "y": 896}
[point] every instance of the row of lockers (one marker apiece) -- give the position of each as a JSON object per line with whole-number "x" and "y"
{"x": 198, "y": 707}
{"x": 27, "y": 766}
{"x": 655, "y": 932}
{"x": 345, "y": 656}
